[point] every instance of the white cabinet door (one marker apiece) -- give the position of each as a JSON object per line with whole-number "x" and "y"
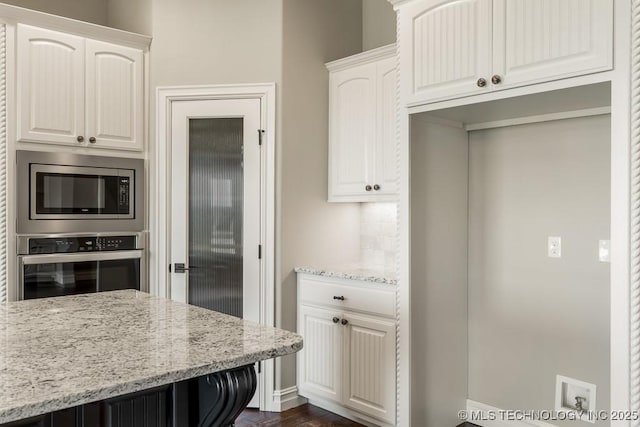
{"x": 352, "y": 107}
{"x": 50, "y": 86}
{"x": 445, "y": 48}
{"x": 386, "y": 149}
{"x": 370, "y": 363}
{"x": 320, "y": 361}
{"x": 542, "y": 40}
{"x": 115, "y": 92}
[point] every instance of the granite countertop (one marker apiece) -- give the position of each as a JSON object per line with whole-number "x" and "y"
{"x": 57, "y": 353}
{"x": 353, "y": 272}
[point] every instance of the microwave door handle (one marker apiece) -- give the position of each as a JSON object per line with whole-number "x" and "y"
{"x": 79, "y": 257}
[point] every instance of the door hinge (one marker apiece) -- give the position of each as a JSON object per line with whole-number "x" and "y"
{"x": 260, "y": 135}
{"x": 259, "y": 251}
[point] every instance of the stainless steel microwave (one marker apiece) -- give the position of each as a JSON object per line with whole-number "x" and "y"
{"x": 64, "y": 192}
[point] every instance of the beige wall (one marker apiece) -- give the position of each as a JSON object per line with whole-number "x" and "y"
{"x": 282, "y": 41}
{"x": 439, "y": 181}
{"x": 378, "y": 24}
{"x": 532, "y": 317}
{"x": 312, "y": 231}
{"x": 130, "y": 15}
{"x": 216, "y": 42}
{"x": 94, "y": 11}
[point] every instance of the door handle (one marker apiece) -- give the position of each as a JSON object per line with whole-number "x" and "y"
{"x": 180, "y": 268}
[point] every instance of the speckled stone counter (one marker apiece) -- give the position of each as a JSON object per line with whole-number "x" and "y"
{"x": 352, "y": 272}
{"x": 56, "y": 353}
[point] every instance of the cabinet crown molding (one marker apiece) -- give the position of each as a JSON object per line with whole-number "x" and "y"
{"x": 367, "y": 57}
{"x": 397, "y": 3}
{"x": 14, "y": 15}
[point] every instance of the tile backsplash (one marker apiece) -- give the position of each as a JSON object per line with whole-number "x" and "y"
{"x": 378, "y": 232}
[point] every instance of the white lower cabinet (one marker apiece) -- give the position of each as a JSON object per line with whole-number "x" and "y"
{"x": 348, "y": 363}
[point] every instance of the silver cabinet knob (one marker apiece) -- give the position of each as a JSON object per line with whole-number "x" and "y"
{"x": 376, "y": 187}
{"x": 92, "y": 140}
{"x": 344, "y": 322}
{"x": 80, "y": 138}
{"x": 335, "y": 320}
{"x": 481, "y": 82}
{"x": 496, "y": 79}
{"x": 368, "y": 188}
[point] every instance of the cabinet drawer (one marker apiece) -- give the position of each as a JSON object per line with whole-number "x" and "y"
{"x": 358, "y": 296}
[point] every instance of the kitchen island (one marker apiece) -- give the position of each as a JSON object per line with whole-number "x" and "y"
{"x": 126, "y": 358}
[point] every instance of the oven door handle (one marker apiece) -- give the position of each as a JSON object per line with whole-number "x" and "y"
{"x": 80, "y": 257}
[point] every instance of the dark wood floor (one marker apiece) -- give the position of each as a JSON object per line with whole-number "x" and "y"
{"x": 302, "y": 416}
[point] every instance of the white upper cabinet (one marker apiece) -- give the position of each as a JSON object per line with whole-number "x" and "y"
{"x": 544, "y": 40}
{"x": 362, "y": 127}
{"x": 115, "y": 95}
{"x": 77, "y": 91}
{"x": 50, "y": 86}
{"x": 446, "y": 46}
{"x": 455, "y": 48}
{"x": 352, "y": 130}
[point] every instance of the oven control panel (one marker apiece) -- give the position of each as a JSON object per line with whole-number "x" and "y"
{"x": 55, "y": 245}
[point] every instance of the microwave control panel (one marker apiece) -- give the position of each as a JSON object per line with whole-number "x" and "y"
{"x": 124, "y": 185}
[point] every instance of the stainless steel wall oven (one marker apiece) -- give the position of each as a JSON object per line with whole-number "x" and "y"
{"x": 62, "y": 193}
{"x": 76, "y": 264}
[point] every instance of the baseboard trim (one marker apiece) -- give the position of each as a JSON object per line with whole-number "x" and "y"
{"x": 286, "y": 399}
{"x": 485, "y": 420}
{"x": 347, "y": 413}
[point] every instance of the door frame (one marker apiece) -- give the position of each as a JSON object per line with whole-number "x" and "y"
{"x": 160, "y": 197}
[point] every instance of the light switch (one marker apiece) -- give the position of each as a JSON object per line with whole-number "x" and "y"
{"x": 604, "y": 250}
{"x": 554, "y": 247}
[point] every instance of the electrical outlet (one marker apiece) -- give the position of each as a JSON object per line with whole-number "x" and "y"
{"x": 604, "y": 250}
{"x": 554, "y": 247}
{"x": 575, "y": 396}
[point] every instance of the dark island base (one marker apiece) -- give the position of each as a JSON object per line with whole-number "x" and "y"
{"x": 214, "y": 400}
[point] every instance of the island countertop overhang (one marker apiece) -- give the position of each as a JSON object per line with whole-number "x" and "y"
{"x": 61, "y": 352}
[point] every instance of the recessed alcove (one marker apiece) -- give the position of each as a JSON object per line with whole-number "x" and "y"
{"x": 494, "y": 318}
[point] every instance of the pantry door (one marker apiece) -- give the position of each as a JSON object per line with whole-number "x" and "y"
{"x": 215, "y": 205}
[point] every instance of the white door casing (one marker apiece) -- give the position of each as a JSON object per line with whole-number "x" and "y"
{"x": 161, "y": 165}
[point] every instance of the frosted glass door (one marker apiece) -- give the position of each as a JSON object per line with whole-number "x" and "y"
{"x": 215, "y": 205}
{"x": 216, "y": 182}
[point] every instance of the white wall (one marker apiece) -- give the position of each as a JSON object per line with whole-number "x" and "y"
{"x": 532, "y": 317}
{"x": 378, "y": 24}
{"x": 311, "y": 229}
{"x": 94, "y": 11}
{"x": 439, "y": 181}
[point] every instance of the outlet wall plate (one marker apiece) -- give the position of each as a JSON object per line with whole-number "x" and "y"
{"x": 604, "y": 250}
{"x": 554, "y": 247}
{"x": 568, "y": 389}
